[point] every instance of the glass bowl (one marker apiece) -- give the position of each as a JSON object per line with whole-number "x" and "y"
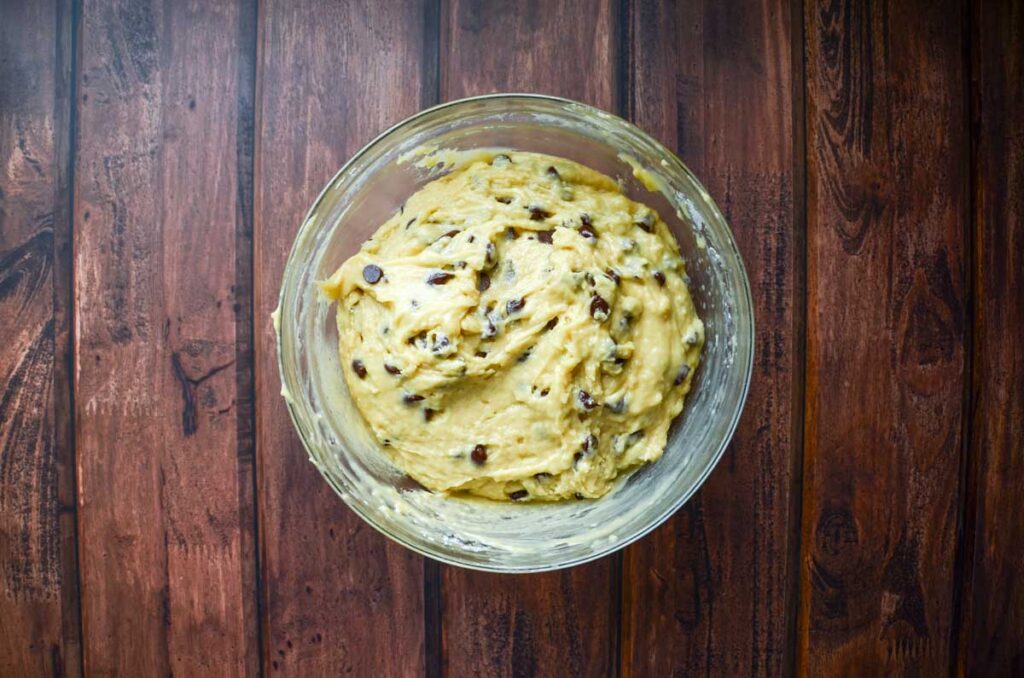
{"x": 476, "y": 533}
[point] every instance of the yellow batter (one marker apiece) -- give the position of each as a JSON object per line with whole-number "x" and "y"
{"x": 518, "y": 330}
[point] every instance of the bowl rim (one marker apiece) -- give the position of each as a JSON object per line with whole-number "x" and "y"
{"x": 743, "y": 293}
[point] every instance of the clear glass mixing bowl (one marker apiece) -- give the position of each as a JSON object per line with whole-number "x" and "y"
{"x": 511, "y": 537}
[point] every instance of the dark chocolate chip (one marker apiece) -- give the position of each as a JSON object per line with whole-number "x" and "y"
{"x": 479, "y": 454}
{"x": 439, "y": 278}
{"x": 586, "y": 400}
{"x": 552, "y": 172}
{"x": 483, "y": 281}
{"x": 598, "y": 306}
{"x": 481, "y": 354}
{"x": 590, "y": 444}
{"x": 545, "y": 392}
{"x": 359, "y": 368}
{"x": 428, "y": 413}
{"x": 511, "y": 233}
{"x": 646, "y": 222}
{"x": 613, "y": 276}
{"x": 545, "y": 236}
{"x": 589, "y": 277}
{"x": 577, "y": 495}
{"x": 504, "y": 199}
{"x": 472, "y": 238}
{"x": 538, "y": 213}
{"x": 681, "y": 375}
{"x": 660, "y": 277}
{"x": 391, "y": 369}
{"x": 519, "y": 494}
{"x": 524, "y": 356}
{"x": 410, "y": 398}
{"x": 409, "y": 223}
{"x": 451, "y": 234}
{"x": 440, "y": 344}
{"x": 490, "y": 254}
{"x": 576, "y": 459}
{"x": 372, "y": 274}
{"x": 587, "y": 231}
{"x": 515, "y": 305}
{"x": 619, "y": 360}
{"x": 585, "y": 219}
{"x": 550, "y": 325}
{"x": 490, "y": 331}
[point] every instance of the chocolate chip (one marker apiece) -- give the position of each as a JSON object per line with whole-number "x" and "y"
{"x": 504, "y": 199}
{"x": 519, "y": 494}
{"x": 590, "y": 444}
{"x": 439, "y": 278}
{"x": 391, "y": 369}
{"x": 576, "y": 459}
{"x": 681, "y": 375}
{"x": 410, "y": 398}
{"x": 472, "y": 238}
{"x": 460, "y": 264}
{"x": 451, "y": 234}
{"x": 577, "y": 495}
{"x": 585, "y": 219}
{"x": 538, "y": 213}
{"x": 550, "y": 325}
{"x": 515, "y": 305}
{"x": 586, "y": 400}
{"x": 589, "y": 277}
{"x": 545, "y": 392}
{"x": 525, "y": 355}
{"x": 481, "y": 354}
{"x": 359, "y": 368}
{"x": 490, "y": 254}
{"x": 372, "y": 274}
{"x": 428, "y": 413}
{"x": 587, "y": 231}
{"x": 613, "y": 276}
{"x": 479, "y": 454}
{"x": 619, "y": 360}
{"x": 599, "y": 307}
{"x": 545, "y": 236}
{"x": 646, "y": 222}
{"x": 490, "y": 331}
{"x": 552, "y": 172}
{"x": 483, "y": 281}
{"x": 440, "y": 344}
{"x": 409, "y": 223}
{"x": 660, "y": 277}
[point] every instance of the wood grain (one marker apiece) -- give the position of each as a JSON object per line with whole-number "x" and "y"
{"x": 338, "y": 598}
{"x": 165, "y": 478}
{"x": 39, "y": 608}
{"x": 992, "y": 632}
{"x": 887, "y": 204}
{"x": 561, "y": 623}
{"x": 711, "y": 590}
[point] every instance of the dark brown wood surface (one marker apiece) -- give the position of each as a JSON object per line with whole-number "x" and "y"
{"x": 158, "y": 515}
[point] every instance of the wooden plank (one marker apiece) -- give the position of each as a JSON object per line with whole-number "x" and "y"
{"x": 887, "y": 202}
{"x": 338, "y": 597}
{"x": 710, "y": 592}
{"x": 562, "y": 623}
{"x": 992, "y": 632}
{"x": 165, "y": 476}
{"x": 39, "y": 612}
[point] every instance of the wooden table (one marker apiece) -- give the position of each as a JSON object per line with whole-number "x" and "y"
{"x": 157, "y": 514}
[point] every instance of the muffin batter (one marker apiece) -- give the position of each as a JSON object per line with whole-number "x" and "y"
{"x": 518, "y": 330}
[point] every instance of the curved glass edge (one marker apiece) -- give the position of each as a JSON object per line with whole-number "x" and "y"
{"x": 744, "y": 299}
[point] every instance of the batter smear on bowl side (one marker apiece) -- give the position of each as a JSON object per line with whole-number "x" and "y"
{"x": 520, "y": 330}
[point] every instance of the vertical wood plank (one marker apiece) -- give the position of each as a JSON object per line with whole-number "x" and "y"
{"x": 165, "y": 478}
{"x": 992, "y": 631}
{"x": 338, "y": 597}
{"x": 562, "y": 623}
{"x": 887, "y": 203}
{"x": 710, "y": 591}
{"x": 39, "y": 610}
